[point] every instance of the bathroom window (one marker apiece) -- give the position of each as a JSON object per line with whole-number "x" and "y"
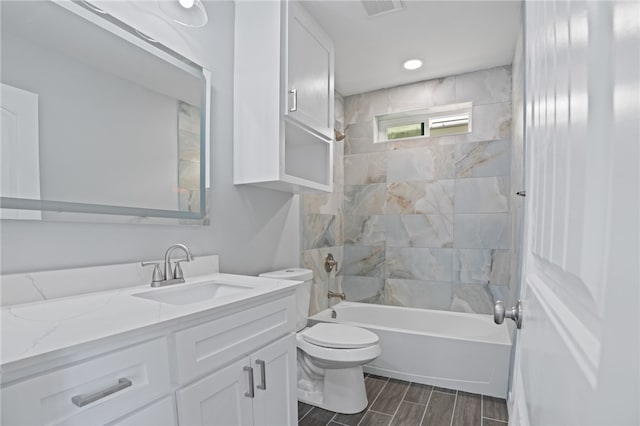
{"x": 430, "y": 122}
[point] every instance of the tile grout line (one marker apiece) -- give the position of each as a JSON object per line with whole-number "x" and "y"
{"x": 495, "y": 420}
{"x": 374, "y": 400}
{"x": 426, "y": 407}
{"x": 453, "y": 413}
{"x": 310, "y": 410}
{"x": 400, "y": 403}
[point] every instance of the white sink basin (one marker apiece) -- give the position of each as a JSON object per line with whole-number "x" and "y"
{"x": 184, "y": 294}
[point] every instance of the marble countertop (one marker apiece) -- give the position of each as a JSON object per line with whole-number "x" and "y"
{"x": 38, "y": 328}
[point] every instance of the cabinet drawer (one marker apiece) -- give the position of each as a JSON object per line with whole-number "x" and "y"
{"x": 93, "y": 391}
{"x": 160, "y": 413}
{"x": 211, "y": 345}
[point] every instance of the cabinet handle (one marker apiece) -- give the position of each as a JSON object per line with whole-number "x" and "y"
{"x": 263, "y": 375}
{"x": 294, "y": 103}
{"x": 251, "y": 392}
{"x": 82, "y": 400}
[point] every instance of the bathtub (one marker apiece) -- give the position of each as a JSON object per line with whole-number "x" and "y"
{"x": 455, "y": 350}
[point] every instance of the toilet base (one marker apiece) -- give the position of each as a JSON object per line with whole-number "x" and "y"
{"x": 341, "y": 390}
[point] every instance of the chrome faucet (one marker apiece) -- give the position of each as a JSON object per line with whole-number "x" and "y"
{"x": 166, "y": 277}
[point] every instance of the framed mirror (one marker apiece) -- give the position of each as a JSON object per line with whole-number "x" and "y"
{"x": 98, "y": 118}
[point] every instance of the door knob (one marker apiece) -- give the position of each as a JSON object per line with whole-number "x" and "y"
{"x": 515, "y": 313}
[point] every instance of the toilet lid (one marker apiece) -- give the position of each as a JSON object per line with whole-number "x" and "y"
{"x": 339, "y": 336}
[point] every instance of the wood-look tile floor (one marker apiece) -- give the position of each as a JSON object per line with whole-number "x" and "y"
{"x": 396, "y": 402}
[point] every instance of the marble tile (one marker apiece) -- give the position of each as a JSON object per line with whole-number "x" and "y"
{"x": 476, "y": 266}
{"x": 364, "y": 230}
{"x": 426, "y": 141}
{"x": 484, "y": 87}
{"x": 424, "y": 264}
{"x": 483, "y": 159}
{"x": 361, "y": 169}
{"x": 418, "y": 294}
{"x": 322, "y": 202}
{"x": 421, "y": 95}
{"x": 359, "y": 140}
{"x": 358, "y": 288}
{"x": 364, "y": 199}
{"x": 420, "y": 197}
{"x": 489, "y": 122}
{"x": 471, "y": 298}
{"x": 431, "y": 230}
{"x": 364, "y": 260}
{"x": 486, "y": 230}
{"x": 319, "y": 230}
{"x": 363, "y": 107}
{"x": 482, "y": 195}
{"x": 322, "y": 280}
{"x": 338, "y": 111}
{"x": 426, "y": 163}
{"x": 338, "y": 163}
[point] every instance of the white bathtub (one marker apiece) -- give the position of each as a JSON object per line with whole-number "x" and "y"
{"x": 468, "y": 352}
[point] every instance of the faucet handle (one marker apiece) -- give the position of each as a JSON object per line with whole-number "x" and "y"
{"x": 177, "y": 271}
{"x": 157, "y": 273}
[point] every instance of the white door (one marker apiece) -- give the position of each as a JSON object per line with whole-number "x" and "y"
{"x": 275, "y": 378}
{"x": 310, "y": 71}
{"x": 577, "y": 353}
{"x": 218, "y": 399}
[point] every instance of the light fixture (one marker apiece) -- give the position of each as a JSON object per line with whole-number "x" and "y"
{"x": 187, "y": 4}
{"x": 412, "y": 64}
{"x": 190, "y": 13}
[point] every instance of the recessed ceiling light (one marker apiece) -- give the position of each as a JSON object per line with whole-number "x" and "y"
{"x": 187, "y": 4}
{"x": 412, "y": 64}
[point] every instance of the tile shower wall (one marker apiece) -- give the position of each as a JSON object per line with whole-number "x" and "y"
{"x": 427, "y": 222}
{"x": 322, "y": 226}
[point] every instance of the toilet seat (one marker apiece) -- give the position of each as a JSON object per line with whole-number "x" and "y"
{"x": 339, "y": 336}
{"x": 340, "y": 357}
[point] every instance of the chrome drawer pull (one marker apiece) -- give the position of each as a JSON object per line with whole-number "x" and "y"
{"x": 82, "y": 400}
{"x": 251, "y": 393}
{"x": 263, "y": 375}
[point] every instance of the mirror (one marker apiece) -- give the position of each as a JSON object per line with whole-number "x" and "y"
{"x": 97, "y": 117}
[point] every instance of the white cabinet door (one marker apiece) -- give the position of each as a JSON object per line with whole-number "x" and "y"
{"x": 310, "y": 72}
{"x": 577, "y": 355}
{"x": 274, "y": 369}
{"x": 218, "y": 399}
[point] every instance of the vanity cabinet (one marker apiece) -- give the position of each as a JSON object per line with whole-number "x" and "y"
{"x": 232, "y": 366}
{"x": 256, "y": 390}
{"x": 283, "y": 98}
{"x": 94, "y": 391}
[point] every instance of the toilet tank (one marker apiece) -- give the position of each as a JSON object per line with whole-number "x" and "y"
{"x": 303, "y": 291}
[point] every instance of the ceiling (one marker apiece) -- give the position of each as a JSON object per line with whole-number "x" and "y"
{"x": 450, "y": 37}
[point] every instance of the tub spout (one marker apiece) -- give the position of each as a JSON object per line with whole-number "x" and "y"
{"x": 341, "y": 296}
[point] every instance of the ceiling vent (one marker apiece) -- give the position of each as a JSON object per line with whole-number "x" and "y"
{"x": 381, "y": 7}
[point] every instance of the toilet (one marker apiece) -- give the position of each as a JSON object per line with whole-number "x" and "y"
{"x": 330, "y": 356}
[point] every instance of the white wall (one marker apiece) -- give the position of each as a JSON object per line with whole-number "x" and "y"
{"x": 252, "y": 229}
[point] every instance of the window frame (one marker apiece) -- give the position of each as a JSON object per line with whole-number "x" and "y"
{"x": 383, "y": 122}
